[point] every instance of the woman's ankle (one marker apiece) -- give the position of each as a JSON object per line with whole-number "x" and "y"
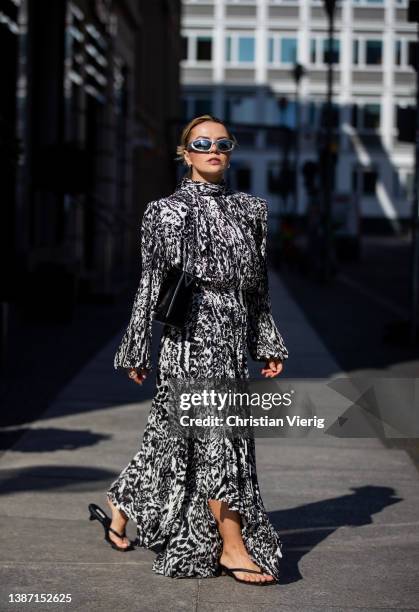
{"x": 234, "y": 548}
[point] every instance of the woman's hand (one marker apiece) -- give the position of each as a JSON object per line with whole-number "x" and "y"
{"x": 272, "y": 368}
{"x": 137, "y": 375}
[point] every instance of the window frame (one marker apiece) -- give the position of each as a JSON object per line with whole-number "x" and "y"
{"x": 192, "y": 34}
{"x": 234, "y": 36}
{"x": 361, "y": 41}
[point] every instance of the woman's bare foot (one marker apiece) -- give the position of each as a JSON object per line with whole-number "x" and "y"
{"x": 238, "y": 557}
{"x": 119, "y": 521}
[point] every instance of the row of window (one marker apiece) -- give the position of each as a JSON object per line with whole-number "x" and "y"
{"x": 377, "y": 3}
{"x": 363, "y": 180}
{"x": 245, "y": 109}
{"x": 284, "y": 50}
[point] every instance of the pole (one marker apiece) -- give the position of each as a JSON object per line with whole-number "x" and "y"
{"x": 297, "y": 144}
{"x": 415, "y": 216}
{"x": 327, "y": 201}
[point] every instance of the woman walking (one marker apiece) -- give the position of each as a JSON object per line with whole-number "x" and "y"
{"x": 200, "y": 503}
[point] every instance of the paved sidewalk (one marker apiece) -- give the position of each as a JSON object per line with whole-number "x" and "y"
{"x": 346, "y": 509}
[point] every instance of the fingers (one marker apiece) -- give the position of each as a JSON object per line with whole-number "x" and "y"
{"x": 272, "y": 368}
{"x": 137, "y": 376}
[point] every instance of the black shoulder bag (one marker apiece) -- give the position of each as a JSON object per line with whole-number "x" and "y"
{"x": 175, "y": 295}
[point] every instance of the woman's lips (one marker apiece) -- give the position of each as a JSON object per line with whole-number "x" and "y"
{"x": 215, "y": 162}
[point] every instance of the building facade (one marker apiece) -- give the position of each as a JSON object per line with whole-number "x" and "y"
{"x": 87, "y": 140}
{"x": 238, "y": 62}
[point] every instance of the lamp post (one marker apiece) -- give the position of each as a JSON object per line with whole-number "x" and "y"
{"x": 298, "y": 72}
{"x": 329, "y": 6}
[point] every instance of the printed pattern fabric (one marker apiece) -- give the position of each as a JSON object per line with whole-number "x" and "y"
{"x": 166, "y": 486}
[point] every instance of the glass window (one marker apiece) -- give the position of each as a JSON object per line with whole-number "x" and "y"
{"x": 240, "y": 109}
{"x": 354, "y": 115}
{"x": 228, "y": 48}
{"x": 203, "y": 48}
{"x": 246, "y": 49}
{"x": 277, "y": 115}
{"x": 373, "y": 52}
{"x": 313, "y": 50}
{"x": 184, "y": 47}
{"x": 288, "y": 50}
{"x": 335, "y": 50}
{"x": 270, "y": 50}
{"x": 334, "y": 114}
{"x": 372, "y": 116}
{"x": 369, "y": 182}
{"x": 355, "y": 52}
{"x": 398, "y": 52}
{"x": 203, "y": 106}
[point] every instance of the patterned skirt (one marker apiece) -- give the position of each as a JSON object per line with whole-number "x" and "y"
{"x": 166, "y": 486}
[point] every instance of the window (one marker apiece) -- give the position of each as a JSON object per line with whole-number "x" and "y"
{"x": 404, "y": 52}
{"x": 403, "y": 184}
{"x": 288, "y": 50}
{"x": 239, "y": 49}
{"x": 369, "y": 182}
{"x": 398, "y": 52}
{"x": 197, "y": 47}
{"x": 335, "y": 53}
{"x": 319, "y": 48}
{"x": 334, "y": 115}
{"x": 366, "y": 116}
{"x": 277, "y": 115}
{"x": 313, "y": 54}
{"x": 365, "y": 180}
{"x": 228, "y": 49}
{"x": 355, "y": 51}
{"x": 246, "y": 49}
{"x": 372, "y": 116}
{"x": 204, "y": 48}
{"x": 240, "y": 109}
{"x": 282, "y": 50}
{"x": 367, "y": 52}
{"x": 373, "y": 52}
{"x": 184, "y": 49}
{"x": 196, "y": 104}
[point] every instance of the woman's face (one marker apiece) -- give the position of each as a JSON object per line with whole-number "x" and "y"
{"x": 212, "y": 164}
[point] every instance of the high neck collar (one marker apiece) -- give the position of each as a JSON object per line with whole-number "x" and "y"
{"x": 202, "y": 187}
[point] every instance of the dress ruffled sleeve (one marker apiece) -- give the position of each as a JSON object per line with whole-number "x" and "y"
{"x": 134, "y": 350}
{"x": 263, "y": 337}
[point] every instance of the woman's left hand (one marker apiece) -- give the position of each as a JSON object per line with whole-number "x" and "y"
{"x": 272, "y": 368}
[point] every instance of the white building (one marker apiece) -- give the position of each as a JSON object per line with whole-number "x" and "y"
{"x": 237, "y": 63}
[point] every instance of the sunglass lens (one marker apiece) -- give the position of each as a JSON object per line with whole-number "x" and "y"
{"x": 202, "y": 144}
{"x": 225, "y": 145}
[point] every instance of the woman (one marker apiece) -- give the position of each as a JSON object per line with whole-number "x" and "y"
{"x": 201, "y": 503}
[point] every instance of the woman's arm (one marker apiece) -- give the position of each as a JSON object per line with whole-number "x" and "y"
{"x": 135, "y": 347}
{"x": 263, "y": 338}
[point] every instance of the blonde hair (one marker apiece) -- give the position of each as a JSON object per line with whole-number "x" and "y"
{"x": 184, "y": 137}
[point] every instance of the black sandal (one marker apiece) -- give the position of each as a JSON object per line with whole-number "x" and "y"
{"x": 229, "y": 571}
{"x": 96, "y": 513}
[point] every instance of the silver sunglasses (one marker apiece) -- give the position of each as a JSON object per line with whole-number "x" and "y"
{"x": 203, "y": 145}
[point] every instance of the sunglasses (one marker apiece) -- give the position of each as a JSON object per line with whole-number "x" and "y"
{"x": 203, "y": 145}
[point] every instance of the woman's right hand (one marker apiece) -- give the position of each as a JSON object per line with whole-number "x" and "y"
{"x": 137, "y": 375}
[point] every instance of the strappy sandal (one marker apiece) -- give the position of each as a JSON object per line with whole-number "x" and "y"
{"x": 229, "y": 571}
{"x": 96, "y": 513}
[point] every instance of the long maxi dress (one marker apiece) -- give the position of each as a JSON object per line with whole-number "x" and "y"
{"x": 165, "y": 488}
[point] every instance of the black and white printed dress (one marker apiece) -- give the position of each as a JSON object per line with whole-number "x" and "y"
{"x": 166, "y": 486}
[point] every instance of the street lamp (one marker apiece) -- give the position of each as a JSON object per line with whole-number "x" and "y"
{"x": 297, "y": 72}
{"x": 329, "y": 6}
